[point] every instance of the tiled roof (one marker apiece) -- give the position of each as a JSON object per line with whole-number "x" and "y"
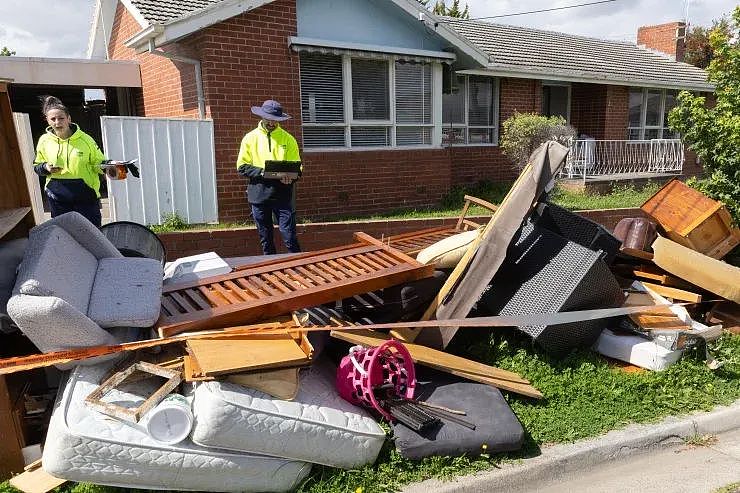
{"x": 161, "y": 11}
{"x": 543, "y": 53}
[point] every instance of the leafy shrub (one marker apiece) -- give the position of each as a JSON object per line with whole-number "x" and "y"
{"x": 713, "y": 130}
{"x": 523, "y": 132}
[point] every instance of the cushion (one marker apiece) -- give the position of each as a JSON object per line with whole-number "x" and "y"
{"x": 85, "y": 233}
{"x": 447, "y": 253}
{"x": 496, "y": 426}
{"x": 55, "y": 264}
{"x": 126, "y": 292}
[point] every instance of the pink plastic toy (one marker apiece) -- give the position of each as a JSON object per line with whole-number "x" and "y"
{"x": 364, "y": 370}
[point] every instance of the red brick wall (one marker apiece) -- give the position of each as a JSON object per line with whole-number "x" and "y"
{"x": 366, "y": 182}
{"x": 244, "y": 241}
{"x": 168, "y": 88}
{"x": 667, "y": 38}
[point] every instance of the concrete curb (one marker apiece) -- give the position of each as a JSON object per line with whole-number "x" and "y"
{"x": 562, "y": 459}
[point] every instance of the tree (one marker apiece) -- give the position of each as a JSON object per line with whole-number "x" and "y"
{"x": 713, "y": 130}
{"x": 698, "y": 49}
{"x": 6, "y": 52}
{"x": 440, "y": 8}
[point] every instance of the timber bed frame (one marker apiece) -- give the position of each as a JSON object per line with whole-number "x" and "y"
{"x": 414, "y": 242}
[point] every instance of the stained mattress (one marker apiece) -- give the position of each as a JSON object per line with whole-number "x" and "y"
{"x": 84, "y": 445}
{"x": 317, "y": 426}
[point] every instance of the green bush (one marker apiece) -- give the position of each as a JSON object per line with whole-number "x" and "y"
{"x": 713, "y": 130}
{"x": 523, "y": 132}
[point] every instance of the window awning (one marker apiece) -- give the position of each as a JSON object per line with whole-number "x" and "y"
{"x": 379, "y": 52}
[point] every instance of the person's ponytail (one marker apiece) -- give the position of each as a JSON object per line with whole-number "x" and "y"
{"x": 49, "y": 103}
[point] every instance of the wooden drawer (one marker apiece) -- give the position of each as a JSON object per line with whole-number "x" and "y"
{"x": 693, "y": 220}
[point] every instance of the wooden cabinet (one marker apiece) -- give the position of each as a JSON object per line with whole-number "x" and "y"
{"x": 15, "y": 221}
{"x": 693, "y": 220}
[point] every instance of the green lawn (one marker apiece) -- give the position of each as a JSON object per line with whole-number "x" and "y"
{"x": 452, "y": 203}
{"x": 584, "y": 397}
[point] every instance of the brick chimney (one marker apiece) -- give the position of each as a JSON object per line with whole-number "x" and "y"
{"x": 668, "y": 38}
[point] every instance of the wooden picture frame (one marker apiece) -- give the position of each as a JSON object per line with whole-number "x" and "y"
{"x": 94, "y": 400}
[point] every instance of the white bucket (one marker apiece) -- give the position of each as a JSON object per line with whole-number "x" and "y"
{"x": 171, "y": 420}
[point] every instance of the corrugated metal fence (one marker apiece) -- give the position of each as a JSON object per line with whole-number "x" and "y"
{"x": 177, "y": 166}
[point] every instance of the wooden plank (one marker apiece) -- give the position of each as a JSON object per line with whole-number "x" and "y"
{"x": 675, "y": 293}
{"x": 211, "y": 296}
{"x": 317, "y": 280}
{"x": 273, "y": 280}
{"x": 303, "y": 281}
{"x": 710, "y": 274}
{"x": 221, "y": 357}
{"x": 241, "y": 293}
{"x": 180, "y": 299}
{"x": 197, "y": 298}
{"x": 227, "y": 294}
{"x": 290, "y": 281}
{"x": 264, "y": 286}
{"x": 449, "y": 363}
{"x": 294, "y": 257}
{"x": 349, "y": 266}
{"x": 252, "y": 288}
{"x": 170, "y": 306}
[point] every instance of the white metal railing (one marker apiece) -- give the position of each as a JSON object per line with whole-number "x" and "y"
{"x": 598, "y": 158}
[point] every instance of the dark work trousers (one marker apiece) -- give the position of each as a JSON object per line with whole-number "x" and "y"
{"x": 285, "y": 215}
{"x": 91, "y": 210}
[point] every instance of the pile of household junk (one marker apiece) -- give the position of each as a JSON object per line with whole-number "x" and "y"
{"x": 258, "y": 367}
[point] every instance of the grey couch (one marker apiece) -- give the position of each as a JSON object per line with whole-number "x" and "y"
{"x": 75, "y": 289}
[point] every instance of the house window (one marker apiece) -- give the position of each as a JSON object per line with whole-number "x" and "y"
{"x": 648, "y": 113}
{"x": 349, "y": 101}
{"x": 556, "y": 99}
{"x": 470, "y": 111}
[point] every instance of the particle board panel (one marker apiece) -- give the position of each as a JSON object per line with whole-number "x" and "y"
{"x": 281, "y": 287}
{"x": 235, "y": 355}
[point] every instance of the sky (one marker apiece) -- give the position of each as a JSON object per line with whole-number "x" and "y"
{"x": 59, "y": 28}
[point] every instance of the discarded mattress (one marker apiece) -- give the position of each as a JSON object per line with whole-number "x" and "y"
{"x": 84, "y": 445}
{"x": 636, "y": 350}
{"x": 497, "y": 428}
{"x": 317, "y": 426}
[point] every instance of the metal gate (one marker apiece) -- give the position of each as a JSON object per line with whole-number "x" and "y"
{"x": 177, "y": 166}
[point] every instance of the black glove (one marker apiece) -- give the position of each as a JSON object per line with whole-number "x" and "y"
{"x": 133, "y": 169}
{"x": 40, "y": 169}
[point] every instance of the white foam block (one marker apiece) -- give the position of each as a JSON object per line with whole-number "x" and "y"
{"x": 195, "y": 267}
{"x": 635, "y": 350}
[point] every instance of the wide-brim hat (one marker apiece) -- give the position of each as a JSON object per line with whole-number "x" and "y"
{"x": 271, "y": 110}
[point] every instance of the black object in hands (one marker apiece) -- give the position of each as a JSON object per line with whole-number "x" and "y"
{"x": 132, "y": 168}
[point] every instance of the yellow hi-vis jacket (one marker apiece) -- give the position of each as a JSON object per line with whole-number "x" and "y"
{"x": 78, "y": 156}
{"x": 259, "y": 146}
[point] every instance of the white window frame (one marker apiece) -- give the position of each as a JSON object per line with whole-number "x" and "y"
{"x": 558, "y": 84}
{"x": 466, "y": 106}
{"x": 643, "y": 113}
{"x": 349, "y": 120}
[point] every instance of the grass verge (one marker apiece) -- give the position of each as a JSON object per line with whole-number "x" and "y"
{"x": 452, "y": 203}
{"x": 585, "y": 396}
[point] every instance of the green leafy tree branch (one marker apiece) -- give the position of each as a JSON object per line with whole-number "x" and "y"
{"x": 713, "y": 130}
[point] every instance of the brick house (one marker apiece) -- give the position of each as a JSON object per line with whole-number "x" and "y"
{"x": 392, "y": 105}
